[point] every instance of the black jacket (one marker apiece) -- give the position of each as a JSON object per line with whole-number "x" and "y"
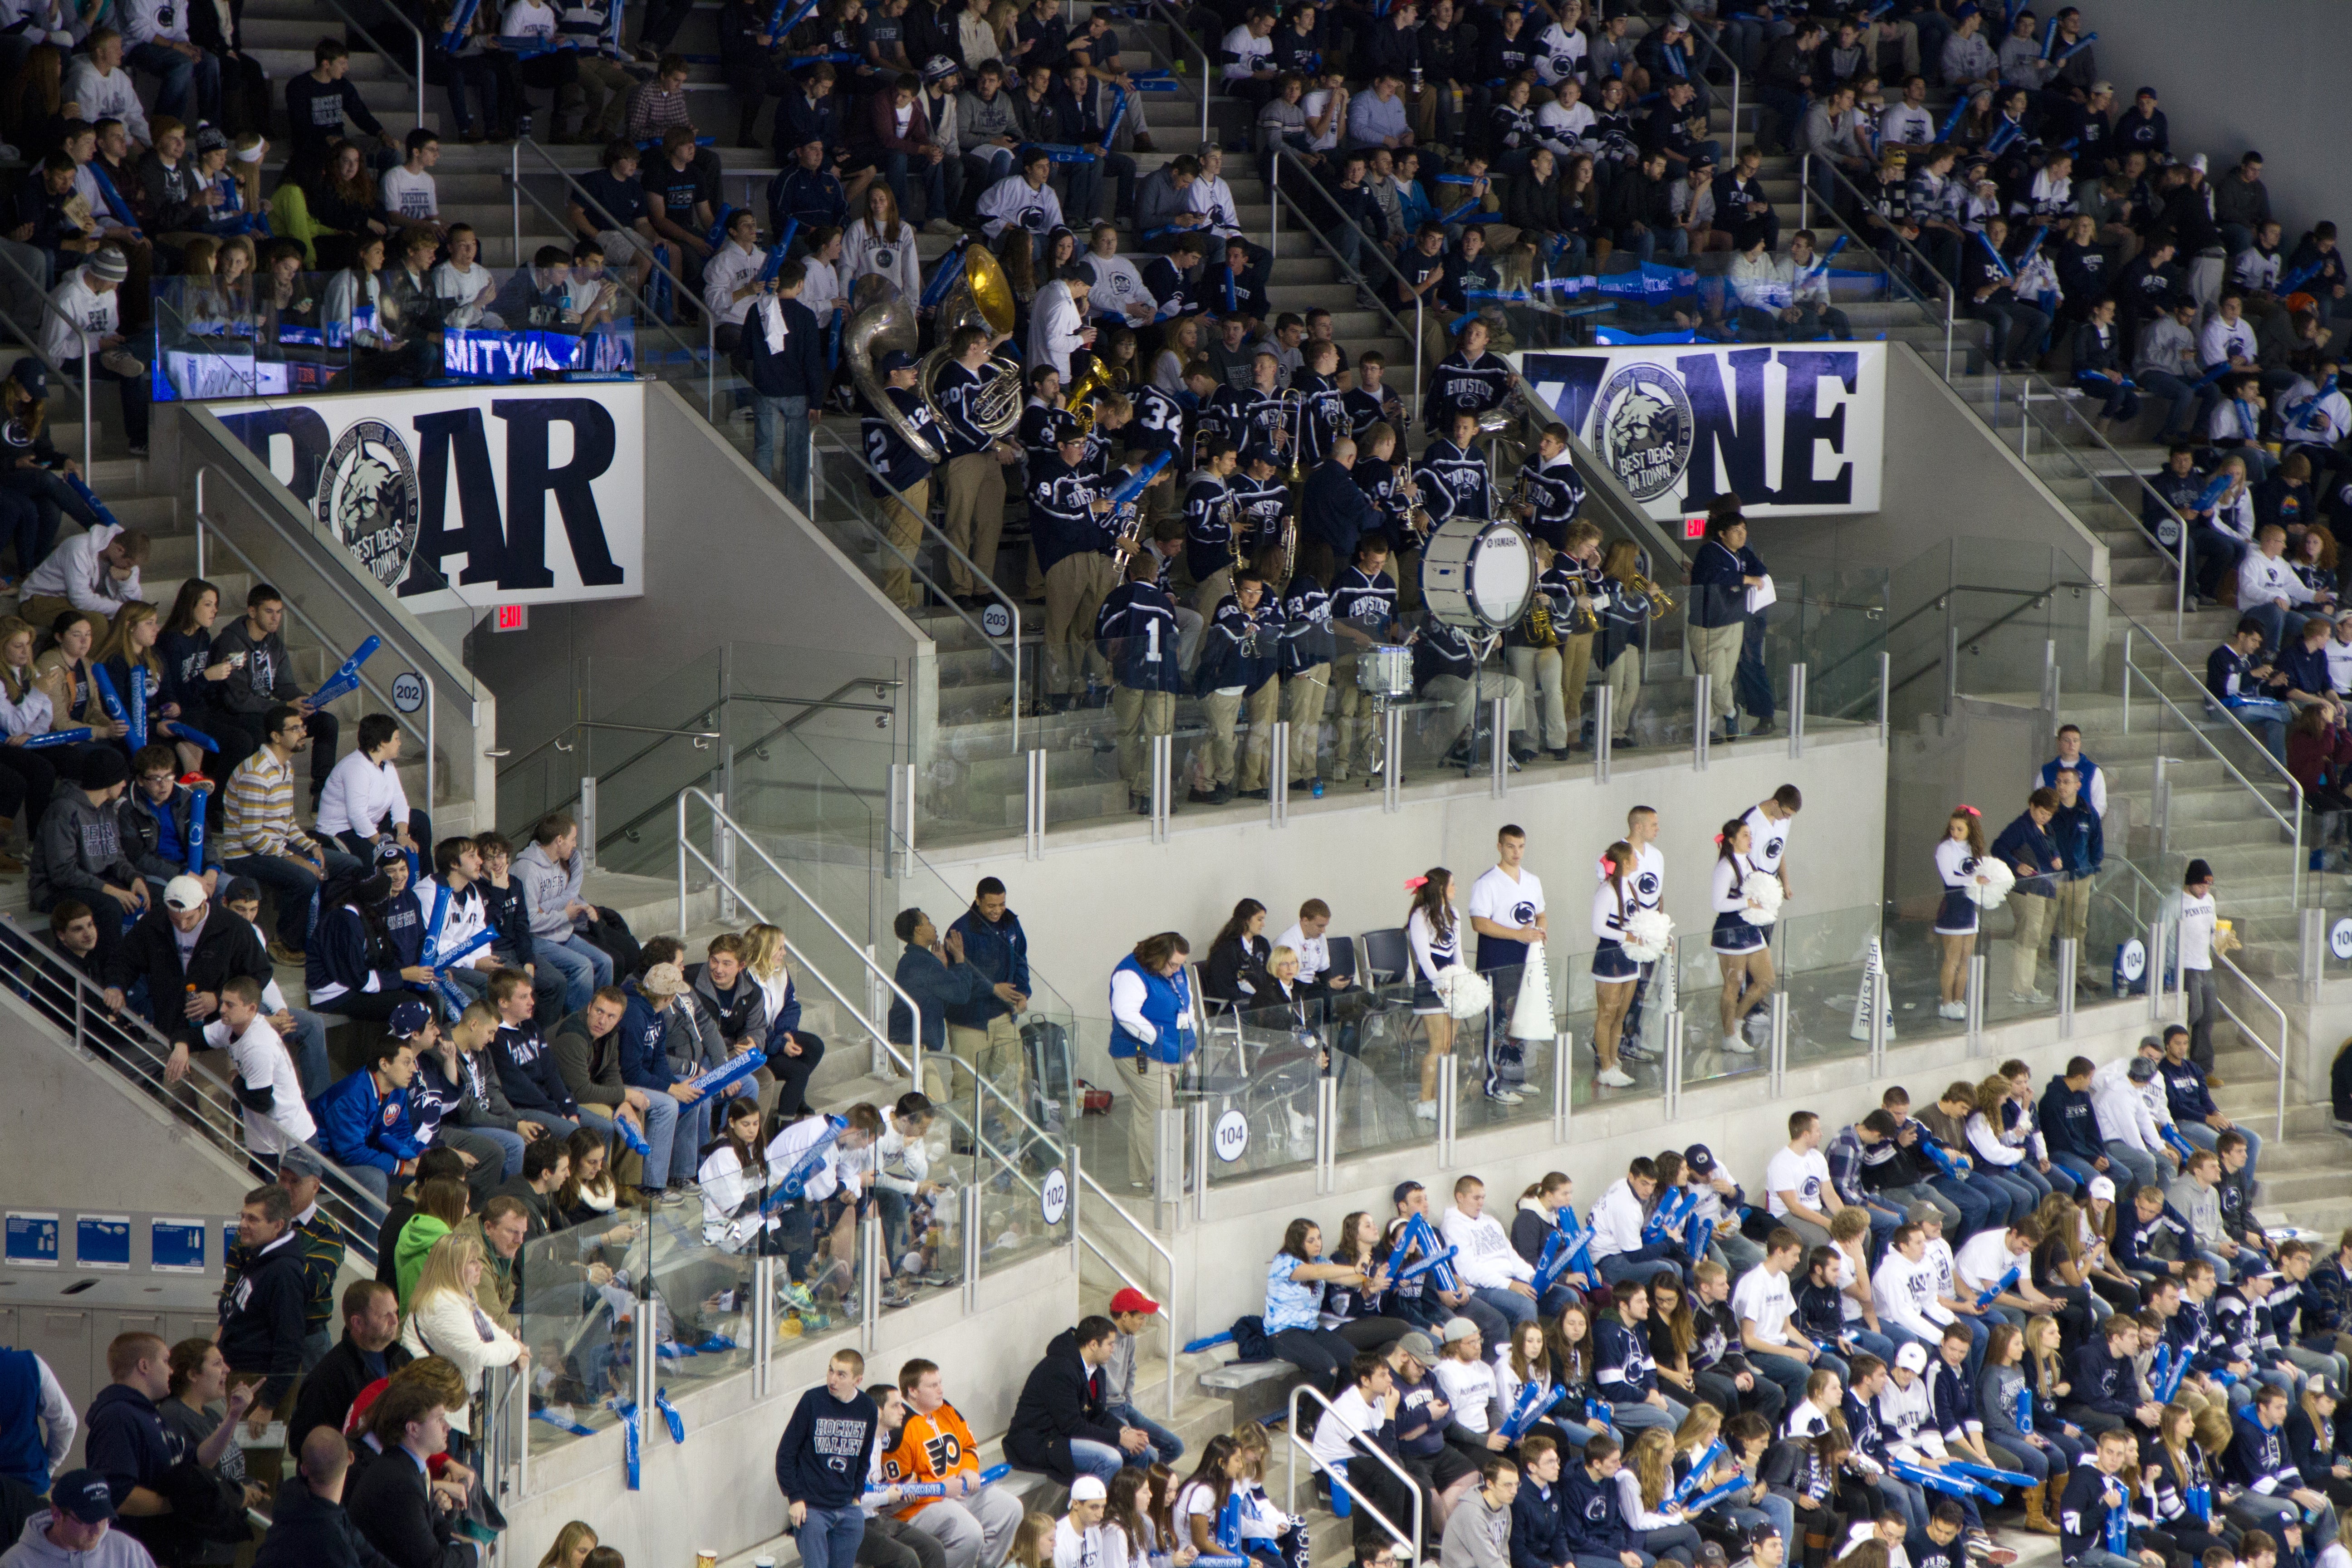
{"x": 306, "y": 1530}
{"x": 226, "y": 946}
{"x": 1062, "y": 1399}
{"x": 261, "y": 1317}
{"x": 331, "y": 1386}
{"x": 391, "y": 1505}
{"x": 142, "y": 833}
{"x": 798, "y": 369}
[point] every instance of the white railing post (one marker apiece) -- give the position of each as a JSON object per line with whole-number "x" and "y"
{"x": 588, "y": 821}
{"x": 1798, "y": 676}
{"x": 1034, "y": 819}
{"x": 1278, "y": 776}
{"x": 1604, "y": 728}
{"x": 1449, "y": 1093}
{"x": 1393, "y": 774}
{"x": 1499, "y": 718}
{"x": 1977, "y": 977}
{"x": 1564, "y": 1078}
{"x": 2066, "y": 963}
{"x": 1162, "y": 780}
{"x": 1703, "y": 699}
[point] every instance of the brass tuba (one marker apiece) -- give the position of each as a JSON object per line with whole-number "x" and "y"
{"x": 982, "y": 298}
{"x": 1078, "y": 397}
{"x": 885, "y": 322}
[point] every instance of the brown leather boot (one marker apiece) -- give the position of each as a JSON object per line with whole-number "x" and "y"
{"x": 2037, "y": 1518}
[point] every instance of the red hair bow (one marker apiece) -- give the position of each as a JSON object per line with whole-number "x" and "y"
{"x": 1970, "y": 810}
{"x": 1414, "y": 884}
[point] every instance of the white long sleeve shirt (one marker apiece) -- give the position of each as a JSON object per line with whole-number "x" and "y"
{"x": 1482, "y": 1253}
{"x": 1126, "y": 998}
{"x": 1906, "y": 1294}
{"x": 1055, "y": 323}
{"x": 2222, "y": 341}
{"x": 1118, "y": 284}
{"x": 2263, "y": 578}
{"x": 467, "y": 918}
{"x": 1616, "y": 1222}
{"x": 887, "y": 257}
{"x": 1985, "y": 1142}
{"x": 360, "y": 794}
{"x": 1012, "y": 201}
{"x": 2122, "y": 1115}
{"x": 56, "y": 1413}
{"x": 74, "y": 571}
{"x": 728, "y": 270}
{"x": 107, "y": 95}
{"x": 465, "y": 288}
{"x": 262, "y": 1062}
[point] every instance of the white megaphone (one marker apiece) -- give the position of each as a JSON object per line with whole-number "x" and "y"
{"x": 1531, "y": 1013}
{"x": 1873, "y": 969}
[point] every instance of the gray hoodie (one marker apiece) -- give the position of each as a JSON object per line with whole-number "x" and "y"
{"x": 1476, "y": 1535}
{"x": 80, "y": 852}
{"x": 34, "y": 1548}
{"x": 548, "y": 889}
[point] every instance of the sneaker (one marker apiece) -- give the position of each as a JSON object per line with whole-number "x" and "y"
{"x": 1613, "y": 1077}
{"x": 1252, "y": 795}
{"x": 1508, "y": 1097}
{"x": 1635, "y": 1051}
{"x": 797, "y": 1298}
{"x": 1734, "y": 1043}
{"x": 945, "y": 226}
{"x": 1424, "y": 1110}
{"x": 894, "y": 1297}
{"x": 282, "y": 953}
{"x": 122, "y": 364}
{"x": 2215, "y": 1081}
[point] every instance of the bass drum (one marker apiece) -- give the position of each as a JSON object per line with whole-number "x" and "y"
{"x": 1478, "y": 574}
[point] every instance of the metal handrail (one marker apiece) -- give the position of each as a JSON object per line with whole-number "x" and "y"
{"x": 1276, "y": 196}
{"x": 1804, "y": 207}
{"x": 428, "y": 736}
{"x": 1705, "y": 40}
{"x": 701, "y": 738}
{"x": 1086, "y": 1178}
{"x": 133, "y": 1045}
{"x": 2292, "y": 824}
{"x": 2278, "y": 1058}
{"x": 1012, "y": 605}
{"x": 32, "y": 341}
{"x": 1298, "y": 1445}
{"x": 2179, "y": 553}
{"x": 2233, "y": 722}
{"x": 1175, "y": 25}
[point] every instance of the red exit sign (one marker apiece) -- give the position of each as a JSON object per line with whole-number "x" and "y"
{"x": 1693, "y": 528}
{"x": 516, "y": 617}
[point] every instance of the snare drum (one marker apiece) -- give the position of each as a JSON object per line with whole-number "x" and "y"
{"x": 1478, "y": 574}
{"x": 1385, "y": 669}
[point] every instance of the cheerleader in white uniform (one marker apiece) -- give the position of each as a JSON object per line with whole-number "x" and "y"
{"x": 1955, "y": 918}
{"x": 1436, "y": 945}
{"x": 1615, "y": 972}
{"x": 1743, "y": 951}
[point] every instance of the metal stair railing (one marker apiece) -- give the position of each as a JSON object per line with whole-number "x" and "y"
{"x": 910, "y": 1061}
{"x": 61, "y": 996}
{"x": 1409, "y": 1546}
{"x": 2070, "y": 406}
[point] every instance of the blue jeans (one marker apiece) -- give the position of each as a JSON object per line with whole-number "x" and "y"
{"x": 584, "y": 965}
{"x": 179, "y": 74}
{"x": 2191, "y": 409}
{"x": 1628, "y": 1417}
{"x": 2267, "y": 716}
{"x": 1100, "y": 1460}
{"x": 1871, "y": 1343}
{"x": 663, "y": 1115}
{"x": 1515, "y": 1308}
{"x": 1620, "y": 1267}
{"x": 2205, "y": 1137}
{"x": 1975, "y": 1207}
{"x": 509, "y": 1145}
{"x": 2082, "y": 1170}
{"x": 898, "y": 166}
{"x": 830, "y": 1536}
{"x": 1083, "y": 200}
{"x": 1168, "y": 1447}
{"x": 2138, "y": 1163}
{"x": 2278, "y": 625}
{"x": 793, "y": 412}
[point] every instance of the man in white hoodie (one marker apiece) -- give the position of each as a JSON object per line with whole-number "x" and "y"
{"x": 1618, "y": 1249}
{"x": 1904, "y": 1289}
{"x": 1484, "y": 1258}
{"x": 2125, "y": 1124}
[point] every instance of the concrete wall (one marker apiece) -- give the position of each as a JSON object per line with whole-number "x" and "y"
{"x": 2227, "y": 87}
{"x": 1945, "y": 477}
{"x": 725, "y": 561}
{"x": 719, "y": 1490}
{"x": 1097, "y": 891}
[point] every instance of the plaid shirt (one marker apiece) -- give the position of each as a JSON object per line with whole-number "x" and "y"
{"x": 1845, "y": 1155}
{"x": 652, "y": 111}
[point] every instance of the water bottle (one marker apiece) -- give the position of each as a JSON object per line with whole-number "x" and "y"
{"x": 1416, "y": 79}
{"x": 1317, "y": 790}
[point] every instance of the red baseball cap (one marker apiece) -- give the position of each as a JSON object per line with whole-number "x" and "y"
{"x": 1132, "y": 1300}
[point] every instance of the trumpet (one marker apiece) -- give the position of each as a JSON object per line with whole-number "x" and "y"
{"x": 1661, "y": 604}
{"x": 1416, "y": 515}
{"x": 1539, "y": 627}
{"x": 1294, "y": 406}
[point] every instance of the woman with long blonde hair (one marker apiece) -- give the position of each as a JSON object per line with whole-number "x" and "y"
{"x": 445, "y": 1318}
{"x": 1641, "y": 1487}
{"x": 1179, "y": 340}
{"x": 572, "y": 1544}
{"x": 793, "y": 1051}
{"x": 128, "y": 654}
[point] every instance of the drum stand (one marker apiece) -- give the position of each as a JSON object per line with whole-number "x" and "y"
{"x": 1482, "y": 648}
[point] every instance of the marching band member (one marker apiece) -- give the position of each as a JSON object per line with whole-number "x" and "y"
{"x": 1625, "y": 628}
{"x": 1239, "y": 666}
{"x": 1260, "y": 497}
{"x": 899, "y": 467}
{"x": 1554, "y": 487}
{"x": 1137, "y": 631}
{"x": 1211, "y": 519}
{"x": 1068, "y": 513}
{"x": 1363, "y": 614}
{"x": 1308, "y": 646}
{"x": 1469, "y": 380}
{"x": 1533, "y": 650}
{"x": 1453, "y": 476}
{"x": 1588, "y": 590}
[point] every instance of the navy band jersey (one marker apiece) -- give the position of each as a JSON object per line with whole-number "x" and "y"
{"x": 959, "y": 397}
{"x": 1136, "y": 630}
{"x": 1365, "y": 408}
{"x": 1163, "y": 422}
{"x": 1228, "y": 413}
{"x": 1441, "y": 650}
{"x": 1210, "y": 516}
{"x": 1368, "y": 604}
{"x": 1555, "y": 583}
{"x": 1306, "y": 636}
{"x": 1062, "y": 519}
{"x": 1461, "y": 386}
{"x": 1377, "y": 478}
{"x": 1240, "y": 650}
{"x": 1036, "y": 430}
{"x": 1418, "y": 268}
{"x": 1318, "y": 424}
{"x": 1262, "y": 504}
{"x": 887, "y": 451}
{"x": 1558, "y": 492}
{"x": 1454, "y": 482}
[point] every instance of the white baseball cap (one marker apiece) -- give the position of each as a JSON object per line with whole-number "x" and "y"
{"x": 2103, "y": 1187}
{"x": 184, "y": 893}
{"x": 1088, "y": 1489}
{"x": 1912, "y": 1357}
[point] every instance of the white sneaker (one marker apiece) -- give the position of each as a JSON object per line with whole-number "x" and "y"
{"x": 1618, "y": 1078}
{"x": 1425, "y": 1110}
{"x": 1952, "y": 1010}
{"x": 1734, "y": 1043}
{"x": 1508, "y": 1097}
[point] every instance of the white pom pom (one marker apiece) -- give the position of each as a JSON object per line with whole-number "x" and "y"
{"x": 1464, "y": 991}
{"x": 1647, "y": 931}
{"x": 1762, "y": 891}
{"x": 1992, "y": 892}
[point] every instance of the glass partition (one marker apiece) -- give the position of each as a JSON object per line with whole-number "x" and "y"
{"x": 575, "y": 1293}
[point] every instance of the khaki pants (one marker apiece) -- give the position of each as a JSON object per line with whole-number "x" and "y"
{"x": 1222, "y": 709}
{"x": 1466, "y": 696}
{"x": 1539, "y": 668}
{"x": 1075, "y": 587}
{"x": 605, "y": 88}
{"x": 900, "y": 518}
{"x": 1149, "y": 1088}
{"x": 1211, "y": 589}
{"x": 1351, "y": 737}
{"x": 2034, "y": 913}
{"x": 2073, "y": 916}
{"x": 1714, "y": 653}
{"x": 1141, "y": 715}
{"x": 994, "y": 1053}
{"x": 1575, "y": 669}
{"x": 1624, "y": 693}
{"x": 975, "y": 516}
{"x": 42, "y": 609}
{"x": 1302, "y": 705}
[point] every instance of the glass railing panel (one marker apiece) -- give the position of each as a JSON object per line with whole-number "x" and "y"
{"x": 575, "y": 1293}
{"x": 1258, "y": 1071}
{"x": 1389, "y": 1076}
